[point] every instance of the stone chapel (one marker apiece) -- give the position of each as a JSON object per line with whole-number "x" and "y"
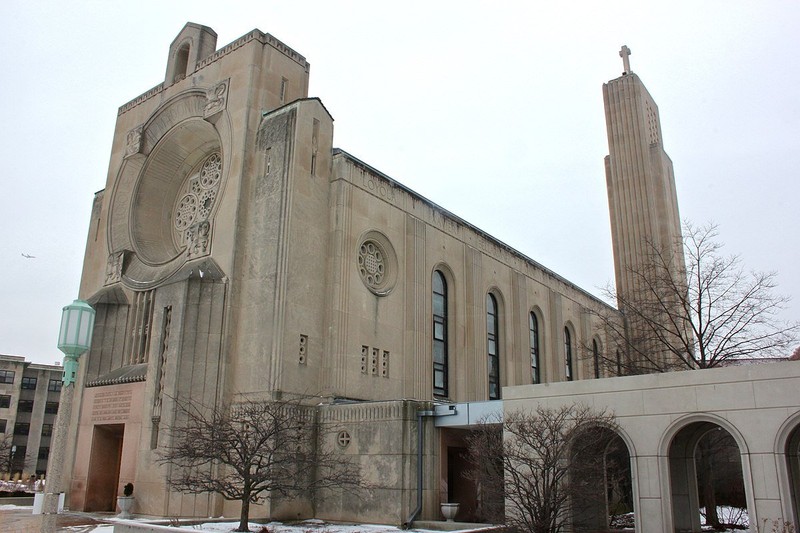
{"x": 234, "y": 252}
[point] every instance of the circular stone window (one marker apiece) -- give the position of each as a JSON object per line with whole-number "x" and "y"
{"x": 343, "y": 439}
{"x": 377, "y": 263}
{"x": 196, "y": 198}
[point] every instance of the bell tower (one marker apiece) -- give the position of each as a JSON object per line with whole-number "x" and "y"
{"x": 193, "y": 43}
{"x": 642, "y": 200}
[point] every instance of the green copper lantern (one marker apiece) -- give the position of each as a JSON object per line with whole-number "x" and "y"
{"x": 75, "y": 336}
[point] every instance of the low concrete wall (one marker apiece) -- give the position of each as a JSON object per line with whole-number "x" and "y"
{"x": 129, "y": 526}
{"x": 138, "y": 527}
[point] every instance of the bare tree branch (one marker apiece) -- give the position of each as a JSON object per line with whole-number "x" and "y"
{"x": 717, "y": 313}
{"x": 543, "y": 470}
{"x": 247, "y": 449}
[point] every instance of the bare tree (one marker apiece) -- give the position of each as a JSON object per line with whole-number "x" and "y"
{"x": 246, "y": 449}
{"x": 551, "y": 468}
{"x": 710, "y": 313}
{"x": 6, "y": 455}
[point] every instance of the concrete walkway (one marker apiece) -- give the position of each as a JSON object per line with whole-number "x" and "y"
{"x": 22, "y": 520}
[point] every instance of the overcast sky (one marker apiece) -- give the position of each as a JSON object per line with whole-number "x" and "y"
{"x": 494, "y": 113}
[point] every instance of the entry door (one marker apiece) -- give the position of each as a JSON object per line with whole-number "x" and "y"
{"x": 104, "y": 463}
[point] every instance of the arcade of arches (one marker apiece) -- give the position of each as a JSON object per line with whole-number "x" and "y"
{"x": 748, "y": 417}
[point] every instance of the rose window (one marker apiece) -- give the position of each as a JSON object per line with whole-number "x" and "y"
{"x": 211, "y": 171}
{"x": 371, "y": 264}
{"x": 187, "y": 207}
{"x": 206, "y": 203}
{"x": 199, "y": 197}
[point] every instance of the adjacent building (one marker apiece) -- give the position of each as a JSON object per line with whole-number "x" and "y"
{"x": 29, "y": 397}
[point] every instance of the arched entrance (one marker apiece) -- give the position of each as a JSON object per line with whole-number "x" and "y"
{"x": 602, "y": 481}
{"x": 793, "y": 467}
{"x": 706, "y": 481}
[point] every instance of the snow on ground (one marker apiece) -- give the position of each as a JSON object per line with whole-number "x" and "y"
{"x": 728, "y": 515}
{"x": 7, "y": 507}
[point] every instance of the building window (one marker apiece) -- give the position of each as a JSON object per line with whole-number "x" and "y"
{"x": 596, "y": 358}
{"x": 533, "y": 324}
{"x": 44, "y": 452}
{"x": 284, "y": 84}
{"x": 51, "y": 408}
{"x": 28, "y": 383}
{"x": 493, "y": 347}
{"x": 25, "y": 406}
{"x": 619, "y": 363}
{"x": 5, "y": 400}
{"x": 6, "y": 376}
{"x": 47, "y": 430}
{"x": 3, "y": 423}
{"x": 54, "y": 385}
{"x": 141, "y": 317}
{"x": 21, "y": 428}
{"x": 568, "y": 353}
{"x": 440, "y": 378}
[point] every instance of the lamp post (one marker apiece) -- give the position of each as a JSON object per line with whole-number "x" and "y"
{"x": 74, "y": 339}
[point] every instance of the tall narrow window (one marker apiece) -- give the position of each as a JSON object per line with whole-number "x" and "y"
{"x": 284, "y": 84}
{"x": 439, "y": 335}
{"x": 534, "y": 328}
{"x": 139, "y": 322}
{"x": 314, "y": 146}
{"x": 596, "y": 358}
{"x": 568, "y": 353}
{"x": 493, "y": 347}
{"x": 619, "y": 363}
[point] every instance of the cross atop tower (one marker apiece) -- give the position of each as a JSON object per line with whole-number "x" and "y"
{"x": 625, "y": 53}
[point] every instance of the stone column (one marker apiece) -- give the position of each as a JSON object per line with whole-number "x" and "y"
{"x": 55, "y": 467}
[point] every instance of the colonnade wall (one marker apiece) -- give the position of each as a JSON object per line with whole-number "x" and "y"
{"x": 757, "y": 404}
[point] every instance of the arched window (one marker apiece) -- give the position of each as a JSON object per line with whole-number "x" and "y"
{"x": 534, "y": 329}
{"x": 596, "y": 358}
{"x": 181, "y": 62}
{"x": 439, "y": 334}
{"x": 493, "y": 347}
{"x": 568, "y": 353}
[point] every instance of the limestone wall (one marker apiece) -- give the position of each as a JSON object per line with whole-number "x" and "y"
{"x": 757, "y": 404}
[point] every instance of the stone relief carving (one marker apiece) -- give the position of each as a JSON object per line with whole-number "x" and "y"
{"x": 217, "y": 99}
{"x": 133, "y": 142}
{"x": 198, "y": 238}
{"x": 114, "y": 266}
{"x": 373, "y": 184}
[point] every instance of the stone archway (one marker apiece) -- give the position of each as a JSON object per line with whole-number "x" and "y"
{"x": 793, "y": 468}
{"x": 700, "y": 454}
{"x": 611, "y": 497}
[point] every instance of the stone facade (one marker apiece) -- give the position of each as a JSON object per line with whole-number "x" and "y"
{"x": 233, "y": 252}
